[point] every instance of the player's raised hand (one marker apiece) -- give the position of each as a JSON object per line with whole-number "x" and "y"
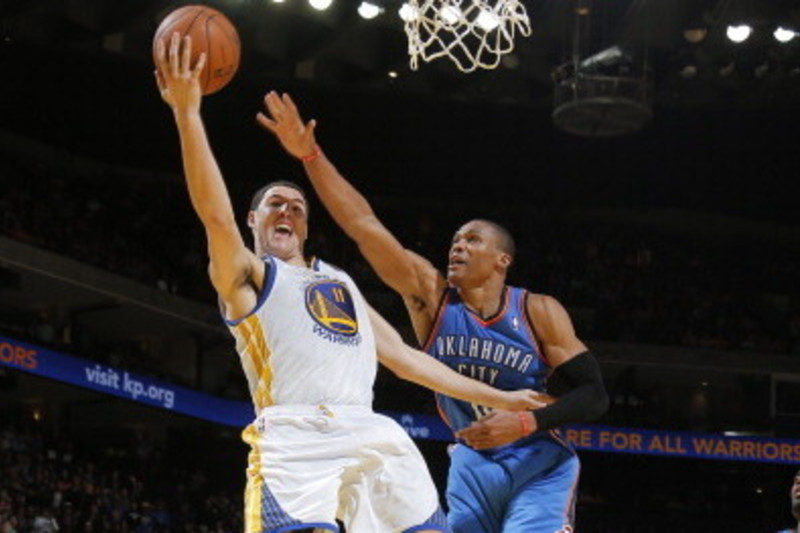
{"x": 284, "y": 121}
{"x": 177, "y": 79}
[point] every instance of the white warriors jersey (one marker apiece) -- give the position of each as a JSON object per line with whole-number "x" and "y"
{"x": 309, "y": 340}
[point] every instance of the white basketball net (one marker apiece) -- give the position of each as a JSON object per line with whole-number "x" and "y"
{"x": 472, "y": 33}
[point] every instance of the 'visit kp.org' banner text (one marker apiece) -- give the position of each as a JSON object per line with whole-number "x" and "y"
{"x": 117, "y": 382}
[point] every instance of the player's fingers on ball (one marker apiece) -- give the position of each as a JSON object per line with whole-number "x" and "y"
{"x": 173, "y": 53}
{"x": 160, "y": 51}
{"x": 186, "y": 54}
{"x": 198, "y": 68}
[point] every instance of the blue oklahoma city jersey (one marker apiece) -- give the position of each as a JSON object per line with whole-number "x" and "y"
{"x": 500, "y": 351}
{"x": 528, "y": 485}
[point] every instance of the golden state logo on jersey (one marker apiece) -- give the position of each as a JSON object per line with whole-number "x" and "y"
{"x": 330, "y": 304}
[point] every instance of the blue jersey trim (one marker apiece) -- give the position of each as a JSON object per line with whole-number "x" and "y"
{"x": 269, "y": 282}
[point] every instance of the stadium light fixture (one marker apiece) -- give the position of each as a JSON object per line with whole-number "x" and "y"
{"x": 784, "y": 35}
{"x": 487, "y": 20}
{"x": 739, "y": 33}
{"x": 408, "y": 13}
{"x": 320, "y": 5}
{"x": 450, "y": 14}
{"x": 369, "y": 10}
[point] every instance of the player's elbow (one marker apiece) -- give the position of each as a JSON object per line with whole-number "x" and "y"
{"x": 600, "y": 405}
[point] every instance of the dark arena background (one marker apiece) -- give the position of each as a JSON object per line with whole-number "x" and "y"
{"x": 646, "y": 165}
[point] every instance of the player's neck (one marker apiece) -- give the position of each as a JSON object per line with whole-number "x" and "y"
{"x": 298, "y": 261}
{"x": 485, "y": 301}
{"x": 293, "y": 258}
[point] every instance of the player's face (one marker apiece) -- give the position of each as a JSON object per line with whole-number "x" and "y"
{"x": 795, "y": 495}
{"x": 280, "y": 223}
{"x": 474, "y": 255}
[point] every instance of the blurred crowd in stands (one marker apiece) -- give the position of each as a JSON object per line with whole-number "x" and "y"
{"x": 622, "y": 280}
{"x": 51, "y": 482}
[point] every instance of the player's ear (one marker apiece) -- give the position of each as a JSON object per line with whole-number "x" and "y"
{"x": 251, "y": 219}
{"x": 504, "y": 260}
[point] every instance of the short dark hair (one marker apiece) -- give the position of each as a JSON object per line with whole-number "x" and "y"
{"x": 506, "y": 241}
{"x": 259, "y": 194}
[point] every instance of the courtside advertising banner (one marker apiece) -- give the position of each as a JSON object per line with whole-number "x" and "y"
{"x": 105, "y": 379}
{"x": 134, "y": 387}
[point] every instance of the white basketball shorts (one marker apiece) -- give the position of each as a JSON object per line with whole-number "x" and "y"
{"x": 309, "y": 466}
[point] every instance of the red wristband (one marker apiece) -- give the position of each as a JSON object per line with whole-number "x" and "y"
{"x": 312, "y": 156}
{"x": 525, "y": 422}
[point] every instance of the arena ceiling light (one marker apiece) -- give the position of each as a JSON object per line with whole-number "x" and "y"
{"x": 739, "y": 33}
{"x": 369, "y": 10}
{"x": 487, "y": 20}
{"x": 408, "y": 13}
{"x": 450, "y": 14}
{"x": 784, "y": 35}
{"x": 688, "y": 71}
{"x": 695, "y": 35}
{"x": 320, "y": 5}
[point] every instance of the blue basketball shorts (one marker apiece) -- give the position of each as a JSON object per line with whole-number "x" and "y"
{"x": 528, "y": 489}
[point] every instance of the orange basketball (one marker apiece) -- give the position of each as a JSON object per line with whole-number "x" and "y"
{"x": 212, "y": 33}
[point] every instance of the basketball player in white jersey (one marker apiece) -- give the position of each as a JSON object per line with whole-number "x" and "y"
{"x": 309, "y": 346}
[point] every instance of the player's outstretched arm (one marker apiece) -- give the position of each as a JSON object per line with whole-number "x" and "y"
{"x": 231, "y": 262}
{"x": 418, "y": 367}
{"x": 401, "y": 269}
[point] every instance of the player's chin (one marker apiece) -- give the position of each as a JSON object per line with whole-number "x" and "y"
{"x": 282, "y": 247}
{"x": 455, "y": 276}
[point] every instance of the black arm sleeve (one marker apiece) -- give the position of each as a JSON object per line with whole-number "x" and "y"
{"x": 582, "y": 395}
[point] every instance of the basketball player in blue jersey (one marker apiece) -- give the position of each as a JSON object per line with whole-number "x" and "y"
{"x": 794, "y": 498}
{"x": 309, "y": 345}
{"x": 511, "y": 472}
